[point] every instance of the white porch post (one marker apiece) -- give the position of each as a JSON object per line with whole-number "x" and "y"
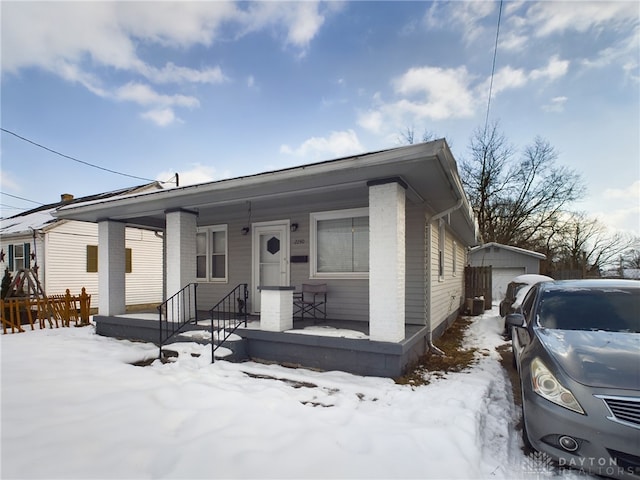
{"x": 387, "y": 259}
{"x": 181, "y": 249}
{"x": 111, "y": 268}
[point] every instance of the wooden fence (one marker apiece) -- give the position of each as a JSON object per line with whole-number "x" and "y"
{"x": 59, "y": 309}
{"x": 477, "y": 283}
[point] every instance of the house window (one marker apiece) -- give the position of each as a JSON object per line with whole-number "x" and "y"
{"x": 454, "y": 263}
{"x": 211, "y": 253}
{"x": 19, "y": 256}
{"x": 441, "y": 243}
{"x": 340, "y": 243}
{"x": 92, "y": 259}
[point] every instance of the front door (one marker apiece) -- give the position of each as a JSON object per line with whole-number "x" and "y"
{"x": 270, "y": 242}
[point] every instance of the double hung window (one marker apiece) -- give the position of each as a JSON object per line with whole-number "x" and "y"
{"x": 19, "y": 256}
{"x": 211, "y": 253}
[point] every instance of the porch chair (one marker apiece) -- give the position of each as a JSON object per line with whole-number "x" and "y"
{"x": 311, "y": 301}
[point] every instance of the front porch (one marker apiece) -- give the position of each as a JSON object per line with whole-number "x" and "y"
{"x": 323, "y": 345}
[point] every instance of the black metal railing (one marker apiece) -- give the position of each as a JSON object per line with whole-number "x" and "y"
{"x": 176, "y": 312}
{"x": 227, "y": 316}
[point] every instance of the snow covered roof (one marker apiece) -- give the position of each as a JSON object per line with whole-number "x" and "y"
{"x": 523, "y": 251}
{"x": 42, "y": 217}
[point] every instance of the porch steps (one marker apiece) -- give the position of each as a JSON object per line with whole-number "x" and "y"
{"x": 201, "y": 333}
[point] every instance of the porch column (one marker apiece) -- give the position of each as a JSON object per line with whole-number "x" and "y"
{"x": 387, "y": 259}
{"x": 181, "y": 249}
{"x": 111, "y": 268}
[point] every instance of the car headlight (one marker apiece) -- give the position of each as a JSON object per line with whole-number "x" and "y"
{"x": 547, "y": 386}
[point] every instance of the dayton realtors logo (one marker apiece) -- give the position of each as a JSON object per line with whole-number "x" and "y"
{"x": 539, "y": 464}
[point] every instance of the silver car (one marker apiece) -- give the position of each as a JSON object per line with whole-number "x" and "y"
{"x": 576, "y": 345}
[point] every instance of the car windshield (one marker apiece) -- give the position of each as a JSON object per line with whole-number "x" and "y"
{"x": 614, "y": 310}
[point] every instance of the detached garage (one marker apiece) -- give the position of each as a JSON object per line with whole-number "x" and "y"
{"x": 506, "y": 262}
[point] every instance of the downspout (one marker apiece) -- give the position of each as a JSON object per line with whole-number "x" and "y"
{"x": 456, "y": 188}
{"x": 36, "y": 234}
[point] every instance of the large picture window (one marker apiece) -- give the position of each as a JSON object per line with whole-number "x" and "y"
{"x": 340, "y": 243}
{"x": 211, "y": 253}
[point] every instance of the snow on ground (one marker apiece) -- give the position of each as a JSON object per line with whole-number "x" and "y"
{"x": 74, "y": 407}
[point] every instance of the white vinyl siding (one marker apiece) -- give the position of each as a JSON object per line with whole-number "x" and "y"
{"x": 66, "y": 262}
{"x": 447, "y": 291}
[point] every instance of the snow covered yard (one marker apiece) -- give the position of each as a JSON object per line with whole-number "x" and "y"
{"x": 73, "y": 406}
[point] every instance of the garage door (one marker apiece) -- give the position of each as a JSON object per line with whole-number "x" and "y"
{"x": 500, "y": 278}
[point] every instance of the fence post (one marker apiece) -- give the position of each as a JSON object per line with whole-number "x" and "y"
{"x": 85, "y": 301}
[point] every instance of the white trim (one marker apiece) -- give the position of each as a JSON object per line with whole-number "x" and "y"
{"x": 282, "y": 227}
{"x": 207, "y": 230}
{"x": 522, "y": 251}
{"x": 313, "y": 238}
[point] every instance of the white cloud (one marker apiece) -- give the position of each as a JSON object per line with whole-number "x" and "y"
{"x": 145, "y": 95}
{"x": 171, "y": 73}
{"x": 337, "y": 144}
{"x": 556, "y": 104}
{"x": 632, "y": 192}
{"x": 371, "y": 120}
{"x": 467, "y": 17}
{"x": 444, "y": 93}
{"x": 555, "y": 69}
{"x": 76, "y": 40}
{"x": 301, "y": 21}
{"x": 619, "y": 208}
{"x": 8, "y": 183}
{"x": 161, "y": 116}
{"x": 549, "y": 18}
{"x": 441, "y": 93}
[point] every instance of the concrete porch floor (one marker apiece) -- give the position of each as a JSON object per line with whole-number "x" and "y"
{"x": 325, "y": 344}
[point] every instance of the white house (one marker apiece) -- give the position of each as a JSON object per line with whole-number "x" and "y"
{"x": 65, "y": 252}
{"x": 387, "y": 232}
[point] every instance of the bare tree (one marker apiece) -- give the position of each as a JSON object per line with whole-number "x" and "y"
{"x": 485, "y": 177}
{"x": 631, "y": 258}
{"x": 408, "y": 136}
{"x": 586, "y": 244}
{"x": 517, "y": 200}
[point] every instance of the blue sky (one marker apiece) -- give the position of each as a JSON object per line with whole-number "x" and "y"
{"x": 220, "y": 89}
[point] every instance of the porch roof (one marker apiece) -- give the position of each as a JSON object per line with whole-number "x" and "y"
{"x": 428, "y": 169}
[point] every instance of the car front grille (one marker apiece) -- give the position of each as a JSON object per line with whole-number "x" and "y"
{"x": 624, "y": 410}
{"x": 631, "y": 463}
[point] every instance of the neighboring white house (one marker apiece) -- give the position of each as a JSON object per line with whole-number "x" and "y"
{"x": 387, "y": 232}
{"x": 506, "y": 263}
{"x": 65, "y": 252}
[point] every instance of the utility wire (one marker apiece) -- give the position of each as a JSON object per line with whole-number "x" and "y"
{"x": 74, "y": 159}
{"x": 493, "y": 68}
{"x": 21, "y": 198}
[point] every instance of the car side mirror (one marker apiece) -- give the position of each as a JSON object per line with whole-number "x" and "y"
{"x": 515, "y": 320}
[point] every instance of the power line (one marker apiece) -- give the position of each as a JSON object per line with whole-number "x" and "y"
{"x": 493, "y": 68}
{"x": 74, "y": 159}
{"x": 21, "y": 198}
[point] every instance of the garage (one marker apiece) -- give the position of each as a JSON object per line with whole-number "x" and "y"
{"x": 506, "y": 262}
{"x": 500, "y": 278}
